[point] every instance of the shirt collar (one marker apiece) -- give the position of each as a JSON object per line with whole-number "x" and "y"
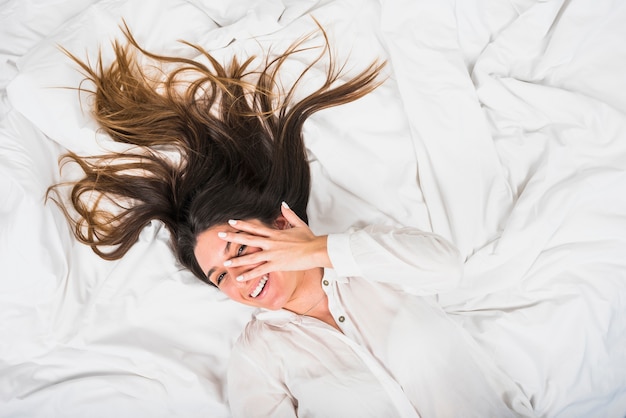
{"x": 278, "y": 318}
{"x": 282, "y": 317}
{"x": 331, "y": 276}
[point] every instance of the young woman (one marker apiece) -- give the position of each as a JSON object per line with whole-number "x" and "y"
{"x": 349, "y": 325}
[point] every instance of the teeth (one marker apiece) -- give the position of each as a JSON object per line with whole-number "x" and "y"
{"x": 260, "y": 287}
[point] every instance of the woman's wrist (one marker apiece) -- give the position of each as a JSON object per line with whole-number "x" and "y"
{"x": 320, "y": 245}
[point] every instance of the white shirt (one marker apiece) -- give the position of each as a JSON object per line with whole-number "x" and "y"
{"x": 398, "y": 353}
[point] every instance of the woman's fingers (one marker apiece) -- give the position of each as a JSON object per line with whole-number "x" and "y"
{"x": 291, "y": 216}
{"x": 244, "y": 238}
{"x": 248, "y": 259}
{"x": 266, "y": 231}
{"x": 251, "y": 228}
{"x": 255, "y": 273}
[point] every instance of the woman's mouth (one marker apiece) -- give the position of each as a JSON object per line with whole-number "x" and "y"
{"x": 259, "y": 288}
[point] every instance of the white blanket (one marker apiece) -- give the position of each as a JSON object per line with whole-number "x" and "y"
{"x": 502, "y": 126}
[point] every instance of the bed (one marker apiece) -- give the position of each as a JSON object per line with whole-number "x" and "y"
{"x": 501, "y": 126}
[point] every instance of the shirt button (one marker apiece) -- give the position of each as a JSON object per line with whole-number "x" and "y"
{"x": 342, "y": 318}
{"x": 326, "y": 282}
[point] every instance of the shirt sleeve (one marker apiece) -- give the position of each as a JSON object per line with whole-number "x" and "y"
{"x": 423, "y": 262}
{"x": 252, "y": 392}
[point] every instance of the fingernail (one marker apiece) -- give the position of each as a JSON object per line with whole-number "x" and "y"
{"x": 232, "y": 222}
{"x": 239, "y": 278}
{"x": 221, "y": 234}
{"x": 285, "y": 205}
{"x": 227, "y": 263}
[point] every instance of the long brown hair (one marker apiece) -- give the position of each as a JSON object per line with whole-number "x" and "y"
{"x": 236, "y": 137}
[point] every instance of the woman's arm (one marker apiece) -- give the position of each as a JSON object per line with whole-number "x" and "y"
{"x": 404, "y": 256}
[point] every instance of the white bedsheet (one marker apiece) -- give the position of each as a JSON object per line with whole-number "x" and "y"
{"x": 502, "y": 126}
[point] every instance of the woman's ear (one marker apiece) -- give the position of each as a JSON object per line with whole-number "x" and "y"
{"x": 282, "y": 223}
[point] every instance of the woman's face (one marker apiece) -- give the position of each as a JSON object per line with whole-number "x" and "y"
{"x": 271, "y": 291}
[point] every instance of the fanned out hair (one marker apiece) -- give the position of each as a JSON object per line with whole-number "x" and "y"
{"x": 237, "y": 137}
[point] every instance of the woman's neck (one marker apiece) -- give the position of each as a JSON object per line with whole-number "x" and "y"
{"x": 308, "y": 292}
{"x": 312, "y": 300}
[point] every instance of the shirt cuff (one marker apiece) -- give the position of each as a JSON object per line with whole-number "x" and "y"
{"x": 340, "y": 254}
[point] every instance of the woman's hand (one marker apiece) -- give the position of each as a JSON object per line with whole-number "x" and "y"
{"x": 292, "y": 248}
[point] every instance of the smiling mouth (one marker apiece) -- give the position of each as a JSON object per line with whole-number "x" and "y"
{"x": 259, "y": 288}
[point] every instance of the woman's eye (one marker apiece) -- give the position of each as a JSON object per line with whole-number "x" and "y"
{"x": 220, "y": 278}
{"x": 241, "y": 250}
